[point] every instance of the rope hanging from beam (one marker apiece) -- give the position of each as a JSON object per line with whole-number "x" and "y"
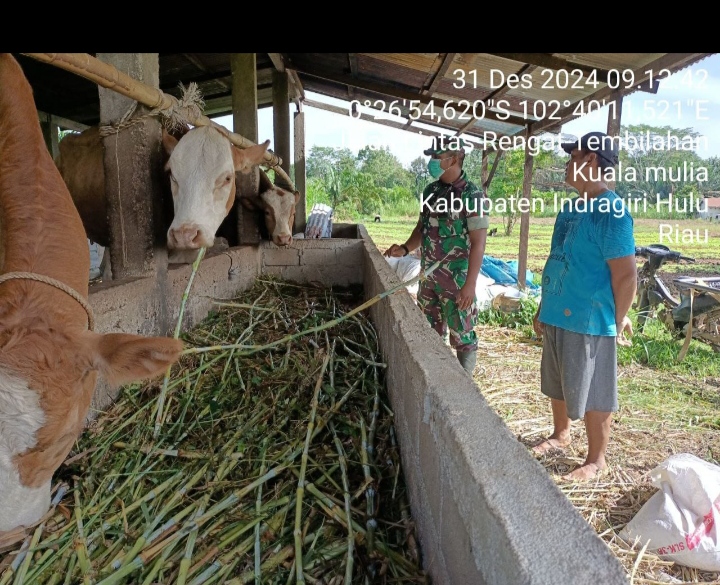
{"x": 188, "y": 110}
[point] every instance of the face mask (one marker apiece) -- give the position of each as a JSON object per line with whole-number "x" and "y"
{"x": 434, "y": 168}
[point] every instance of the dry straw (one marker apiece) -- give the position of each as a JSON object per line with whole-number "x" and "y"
{"x": 509, "y": 379}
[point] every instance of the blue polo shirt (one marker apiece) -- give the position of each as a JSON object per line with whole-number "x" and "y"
{"x": 576, "y": 286}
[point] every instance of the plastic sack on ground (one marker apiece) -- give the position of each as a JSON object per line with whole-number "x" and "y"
{"x": 681, "y": 520}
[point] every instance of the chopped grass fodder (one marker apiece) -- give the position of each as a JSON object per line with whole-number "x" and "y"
{"x": 283, "y": 457}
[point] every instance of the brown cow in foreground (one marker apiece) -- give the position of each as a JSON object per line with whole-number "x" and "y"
{"x": 49, "y": 360}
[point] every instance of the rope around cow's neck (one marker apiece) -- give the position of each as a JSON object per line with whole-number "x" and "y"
{"x": 57, "y": 284}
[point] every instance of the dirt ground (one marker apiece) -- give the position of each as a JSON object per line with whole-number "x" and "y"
{"x": 508, "y": 376}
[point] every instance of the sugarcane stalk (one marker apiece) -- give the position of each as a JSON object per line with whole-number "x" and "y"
{"x": 337, "y": 513}
{"x": 346, "y": 490}
{"x": 187, "y": 557}
{"x": 22, "y": 571}
{"x": 158, "y": 565}
{"x": 299, "y": 577}
{"x": 272, "y": 562}
{"x": 258, "y": 506}
{"x": 80, "y": 547}
{"x": 257, "y": 430}
{"x": 71, "y": 570}
{"x": 252, "y": 349}
{"x": 370, "y": 523}
{"x": 161, "y": 399}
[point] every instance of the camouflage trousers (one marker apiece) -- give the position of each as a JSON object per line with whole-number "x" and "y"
{"x": 436, "y": 298}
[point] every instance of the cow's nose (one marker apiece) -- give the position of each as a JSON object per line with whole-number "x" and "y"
{"x": 185, "y": 236}
{"x": 284, "y": 240}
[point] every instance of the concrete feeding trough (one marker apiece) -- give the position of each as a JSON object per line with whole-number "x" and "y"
{"x": 486, "y": 511}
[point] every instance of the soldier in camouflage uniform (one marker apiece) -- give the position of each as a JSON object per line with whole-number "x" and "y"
{"x": 451, "y": 229}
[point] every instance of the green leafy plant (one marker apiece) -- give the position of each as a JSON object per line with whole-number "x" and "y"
{"x": 520, "y": 318}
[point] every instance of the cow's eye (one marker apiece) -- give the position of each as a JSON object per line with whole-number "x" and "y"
{"x": 173, "y": 179}
{"x": 267, "y": 213}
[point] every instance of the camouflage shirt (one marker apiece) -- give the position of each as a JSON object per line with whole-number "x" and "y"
{"x": 448, "y": 213}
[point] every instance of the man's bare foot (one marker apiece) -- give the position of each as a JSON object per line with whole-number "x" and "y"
{"x": 546, "y": 445}
{"x": 585, "y": 472}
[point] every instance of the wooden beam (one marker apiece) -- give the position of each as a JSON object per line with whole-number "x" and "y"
{"x": 525, "y": 216}
{"x": 548, "y": 61}
{"x": 500, "y": 91}
{"x": 244, "y": 110}
{"x": 63, "y": 123}
{"x": 297, "y": 87}
{"x": 672, "y": 61}
{"x": 195, "y": 61}
{"x": 435, "y": 79}
{"x": 135, "y": 212}
{"x": 389, "y": 123}
{"x": 498, "y": 156}
{"x": 281, "y": 121}
{"x": 613, "y": 127}
{"x": 277, "y": 61}
{"x": 484, "y": 166}
{"x": 352, "y": 61}
{"x": 401, "y": 93}
{"x": 300, "y": 171}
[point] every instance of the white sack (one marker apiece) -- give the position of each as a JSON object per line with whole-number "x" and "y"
{"x": 408, "y": 267}
{"x": 681, "y": 520}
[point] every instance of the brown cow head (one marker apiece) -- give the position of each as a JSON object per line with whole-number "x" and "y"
{"x": 278, "y": 207}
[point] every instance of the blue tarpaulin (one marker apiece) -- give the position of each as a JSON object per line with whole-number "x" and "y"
{"x": 505, "y": 272}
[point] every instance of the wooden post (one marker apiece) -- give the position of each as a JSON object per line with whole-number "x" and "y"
{"x": 50, "y": 133}
{"x": 245, "y": 105}
{"x": 133, "y": 174}
{"x": 281, "y": 120}
{"x": 484, "y": 166}
{"x": 613, "y": 126}
{"x": 525, "y": 216}
{"x": 299, "y": 178}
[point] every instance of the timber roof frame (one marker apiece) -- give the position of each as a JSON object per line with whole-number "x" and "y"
{"x": 408, "y": 82}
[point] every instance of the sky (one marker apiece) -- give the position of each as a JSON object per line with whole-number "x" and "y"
{"x": 688, "y": 99}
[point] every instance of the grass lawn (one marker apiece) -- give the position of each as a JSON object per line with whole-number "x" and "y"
{"x": 647, "y": 231}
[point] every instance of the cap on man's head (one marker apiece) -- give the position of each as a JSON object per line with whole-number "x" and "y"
{"x": 443, "y": 144}
{"x": 598, "y": 142}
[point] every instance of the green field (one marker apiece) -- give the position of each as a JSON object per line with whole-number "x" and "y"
{"x": 647, "y": 231}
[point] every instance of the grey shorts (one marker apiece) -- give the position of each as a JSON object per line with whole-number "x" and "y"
{"x": 579, "y": 369}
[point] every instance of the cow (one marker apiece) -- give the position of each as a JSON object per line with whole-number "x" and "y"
{"x": 201, "y": 172}
{"x": 49, "y": 356}
{"x": 278, "y": 206}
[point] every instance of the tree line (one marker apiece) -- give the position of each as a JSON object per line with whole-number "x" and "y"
{"x": 375, "y": 181}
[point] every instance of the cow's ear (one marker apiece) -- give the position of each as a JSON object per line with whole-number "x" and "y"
{"x": 245, "y": 159}
{"x": 249, "y": 203}
{"x": 169, "y": 142}
{"x": 123, "y": 357}
{"x": 297, "y": 197}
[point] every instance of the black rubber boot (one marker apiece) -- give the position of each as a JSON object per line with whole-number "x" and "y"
{"x": 467, "y": 360}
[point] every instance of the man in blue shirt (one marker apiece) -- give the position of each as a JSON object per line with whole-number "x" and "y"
{"x": 588, "y": 285}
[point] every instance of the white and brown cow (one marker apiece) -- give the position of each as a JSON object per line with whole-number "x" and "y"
{"x": 278, "y": 206}
{"x": 49, "y": 359}
{"x": 201, "y": 168}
